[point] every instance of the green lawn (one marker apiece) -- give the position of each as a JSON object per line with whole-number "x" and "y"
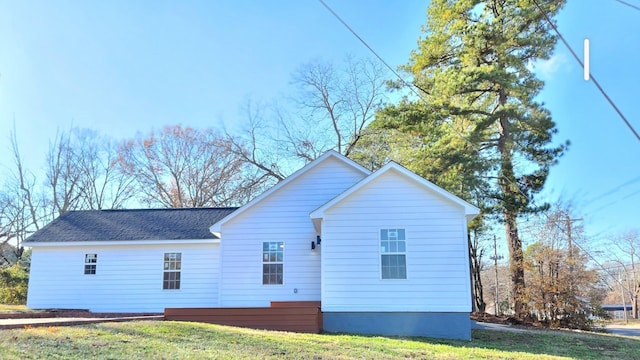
{"x": 179, "y": 340}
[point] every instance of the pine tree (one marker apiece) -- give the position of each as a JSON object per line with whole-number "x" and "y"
{"x": 473, "y": 69}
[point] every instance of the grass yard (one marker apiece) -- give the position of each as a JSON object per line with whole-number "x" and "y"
{"x": 180, "y": 340}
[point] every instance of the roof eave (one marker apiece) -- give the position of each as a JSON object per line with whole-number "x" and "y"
{"x": 119, "y": 242}
{"x": 470, "y": 211}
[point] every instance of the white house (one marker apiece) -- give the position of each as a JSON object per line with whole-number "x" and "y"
{"x": 384, "y": 253}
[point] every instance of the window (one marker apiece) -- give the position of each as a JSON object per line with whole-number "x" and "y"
{"x": 393, "y": 254}
{"x": 90, "y": 262}
{"x": 172, "y": 266}
{"x": 272, "y": 256}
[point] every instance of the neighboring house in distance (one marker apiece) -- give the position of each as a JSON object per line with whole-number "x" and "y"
{"x": 617, "y": 311}
{"x": 393, "y": 256}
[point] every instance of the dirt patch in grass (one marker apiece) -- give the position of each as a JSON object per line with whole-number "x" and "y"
{"x": 495, "y": 319}
{"x": 508, "y": 320}
{"x": 528, "y": 323}
{"x": 5, "y": 309}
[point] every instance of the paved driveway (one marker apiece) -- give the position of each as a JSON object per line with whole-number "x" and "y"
{"x": 627, "y": 330}
{"x": 68, "y": 321}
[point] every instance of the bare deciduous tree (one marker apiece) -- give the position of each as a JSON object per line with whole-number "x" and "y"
{"x": 256, "y": 147}
{"x": 103, "y": 185}
{"x": 82, "y": 173}
{"x": 476, "y": 253}
{"x": 185, "y": 167}
{"x": 627, "y": 264}
{"x": 335, "y": 104}
{"x": 21, "y": 207}
{"x": 332, "y": 107}
{"x": 63, "y": 174}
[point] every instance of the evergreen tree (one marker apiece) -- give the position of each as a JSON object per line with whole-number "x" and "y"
{"x": 473, "y": 67}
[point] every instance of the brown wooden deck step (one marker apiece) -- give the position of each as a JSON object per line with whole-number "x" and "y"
{"x": 297, "y": 316}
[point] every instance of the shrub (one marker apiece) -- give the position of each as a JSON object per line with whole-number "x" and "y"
{"x": 14, "y": 281}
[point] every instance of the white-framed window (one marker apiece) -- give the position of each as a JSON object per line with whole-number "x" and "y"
{"x": 272, "y": 262}
{"x": 171, "y": 271}
{"x": 393, "y": 254}
{"x": 90, "y": 263}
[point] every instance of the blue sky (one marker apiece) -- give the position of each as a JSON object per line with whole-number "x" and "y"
{"x": 120, "y": 67}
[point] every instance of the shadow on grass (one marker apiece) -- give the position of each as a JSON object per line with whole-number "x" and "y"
{"x": 566, "y": 343}
{"x": 582, "y": 345}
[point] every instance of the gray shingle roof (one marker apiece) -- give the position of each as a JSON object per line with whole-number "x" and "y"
{"x": 119, "y": 225}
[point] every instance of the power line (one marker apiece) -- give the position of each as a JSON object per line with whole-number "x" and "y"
{"x": 613, "y": 202}
{"x": 412, "y": 87}
{"x": 603, "y": 206}
{"x": 629, "y": 5}
{"x": 614, "y": 190}
{"x": 575, "y": 56}
{"x": 590, "y": 256}
{"x": 358, "y": 37}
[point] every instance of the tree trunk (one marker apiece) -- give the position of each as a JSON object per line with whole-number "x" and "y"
{"x": 634, "y": 303}
{"x": 516, "y": 264}
{"x": 510, "y": 196}
{"x": 476, "y": 282}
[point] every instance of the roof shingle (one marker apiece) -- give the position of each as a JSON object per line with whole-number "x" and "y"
{"x": 131, "y": 225}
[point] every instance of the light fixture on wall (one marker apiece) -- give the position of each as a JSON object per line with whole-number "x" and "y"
{"x": 313, "y": 245}
{"x": 318, "y": 239}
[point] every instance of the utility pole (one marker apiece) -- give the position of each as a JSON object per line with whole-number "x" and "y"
{"x": 569, "y": 238}
{"x": 495, "y": 259}
{"x": 569, "y": 220}
{"x": 624, "y": 302}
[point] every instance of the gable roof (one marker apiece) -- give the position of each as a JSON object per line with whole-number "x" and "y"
{"x": 331, "y": 154}
{"x": 129, "y": 225}
{"x": 470, "y": 211}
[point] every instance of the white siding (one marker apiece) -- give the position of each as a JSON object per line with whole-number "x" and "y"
{"x": 127, "y": 279}
{"x": 436, "y": 257}
{"x": 282, "y": 216}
